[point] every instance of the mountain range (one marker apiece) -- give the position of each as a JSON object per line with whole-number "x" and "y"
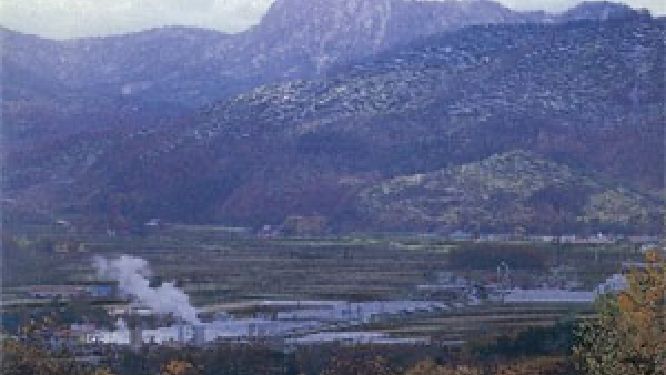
{"x": 138, "y": 78}
{"x": 334, "y": 108}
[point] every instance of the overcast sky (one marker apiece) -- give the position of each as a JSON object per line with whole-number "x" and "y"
{"x": 79, "y": 18}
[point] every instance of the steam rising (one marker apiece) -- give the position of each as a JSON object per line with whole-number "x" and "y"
{"x": 131, "y": 274}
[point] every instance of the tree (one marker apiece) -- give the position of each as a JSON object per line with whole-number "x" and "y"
{"x": 19, "y": 359}
{"x": 529, "y": 366}
{"x": 429, "y": 367}
{"x": 178, "y": 368}
{"x": 360, "y": 366}
{"x": 629, "y": 334}
{"x": 536, "y": 366}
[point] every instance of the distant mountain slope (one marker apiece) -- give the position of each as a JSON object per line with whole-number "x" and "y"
{"x": 586, "y": 95}
{"x": 466, "y": 95}
{"x": 505, "y": 192}
{"x": 295, "y": 39}
{"x": 54, "y": 88}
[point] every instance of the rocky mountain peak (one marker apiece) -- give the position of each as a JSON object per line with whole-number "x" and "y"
{"x": 599, "y": 10}
{"x": 329, "y": 32}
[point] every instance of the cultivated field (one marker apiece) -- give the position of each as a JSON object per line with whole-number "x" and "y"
{"x": 238, "y": 275}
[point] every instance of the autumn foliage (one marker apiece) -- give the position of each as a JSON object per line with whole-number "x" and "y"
{"x": 178, "y": 368}
{"x": 19, "y": 359}
{"x": 360, "y": 366}
{"x": 431, "y": 368}
{"x": 528, "y": 366}
{"x": 629, "y": 334}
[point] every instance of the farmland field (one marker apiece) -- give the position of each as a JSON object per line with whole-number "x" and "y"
{"x": 245, "y": 276}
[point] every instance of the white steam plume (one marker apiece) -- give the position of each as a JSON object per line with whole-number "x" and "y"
{"x": 132, "y": 276}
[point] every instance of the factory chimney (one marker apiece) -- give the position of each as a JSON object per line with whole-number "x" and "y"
{"x": 135, "y": 332}
{"x": 199, "y": 337}
{"x": 181, "y": 333}
{"x": 136, "y": 337}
